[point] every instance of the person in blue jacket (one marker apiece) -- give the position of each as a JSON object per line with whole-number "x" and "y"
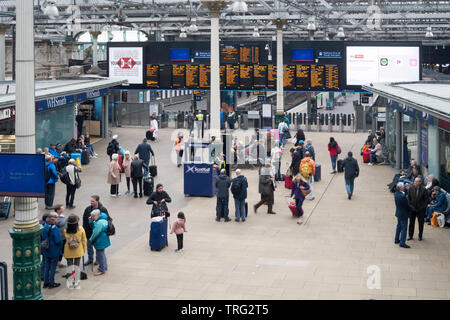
{"x": 439, "y": 203}
{"x": 52, "y": 175}
{"x": 239, "y": 198}
{"x": 402, "y": 213}
{"x": 50, "y": 256}
{"x": 99, "y": 224}
{"x": 53, "y": 151}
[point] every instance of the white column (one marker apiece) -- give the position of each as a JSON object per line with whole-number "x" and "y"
{"x": 280, "y": 87}
{"x": 215, "y": 76}
{"x": 25, "y": 208}
{"x": 2, "y": 52}
{"x": 95, "y": 49}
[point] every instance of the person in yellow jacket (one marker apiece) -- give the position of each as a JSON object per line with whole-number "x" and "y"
{"x": 200, "y": 124}
{"x": 308, "y": 173}
{"x": 75, "y": 246}
{"x": 179, "y": 148}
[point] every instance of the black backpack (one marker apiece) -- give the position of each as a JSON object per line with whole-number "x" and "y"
{"x": 110, "y": 149}
{"x": 111, "y": 229}
{"x": 236, "y": 187}
{"x": 64, "y": 176}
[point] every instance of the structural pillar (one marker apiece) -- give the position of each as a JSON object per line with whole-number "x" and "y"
{"x": 26, "y": 230}
{"x": 280, "y": 84}
{"x": 3, "y": 29}
{"x": 433, "y": 149}
{"x": 95, "y": 68}
{"x": 398, "y": 140}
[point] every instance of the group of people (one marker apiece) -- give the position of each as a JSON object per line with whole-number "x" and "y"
{"x": 374, "y": 143}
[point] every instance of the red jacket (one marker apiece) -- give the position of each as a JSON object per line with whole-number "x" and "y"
{"x": 333, "y": 150}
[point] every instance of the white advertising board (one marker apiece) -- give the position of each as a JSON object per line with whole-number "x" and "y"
{"x": 126, "y": 63}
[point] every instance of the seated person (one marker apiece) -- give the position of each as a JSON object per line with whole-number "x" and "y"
{"x": 369, "y": 140}
{"x": 53, "y": 151}
{"x": 70, "y": 146}
{"x": 87, "y": 142}
{"x": 438, "y": 203}
{"x": 381, "y": 135}
{"x": 47, "y": 152}
{"x": 411, "y": 177}
{"x": 375, "y": 152}
{"x": 432, "y": 182}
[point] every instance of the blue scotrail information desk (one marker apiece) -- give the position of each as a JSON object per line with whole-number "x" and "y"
{"x": 199, "y": 179}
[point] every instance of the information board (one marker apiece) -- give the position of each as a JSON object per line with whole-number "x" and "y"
{"x": 302, "y": 77}
{"x": 204, "y": 76}
{"x": 332, "y": 77}
{"x": 259, "y": 76}
{"x": 232, "y": 78}
{"x": 178, "y": 76}
{"x": 246, "y": 77}
{"x": 317, "y": 77}
{"x": 229, "y": 54}
{"x": 192, "y": 76}
{"x": 248, "y": 54}
{"x": 289, "y": 77}
{"x": 165, "y": 76}
{"x": 222, "y": 73}
{"x": 271, "y": 77}
{"x": 151, "y": 76}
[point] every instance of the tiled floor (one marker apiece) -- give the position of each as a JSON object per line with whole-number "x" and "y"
{"x": 268, "y": 256}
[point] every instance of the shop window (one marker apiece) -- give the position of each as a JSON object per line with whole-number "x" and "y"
{"x": 55, "y": 126}
{"x": 444, "y": 159}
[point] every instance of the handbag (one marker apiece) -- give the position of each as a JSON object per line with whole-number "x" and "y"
{"x": 338, "y": 149}
{"x": 306, "y": 192}
{"x": 45, "y": 244}
{"x": 77, "y": 181}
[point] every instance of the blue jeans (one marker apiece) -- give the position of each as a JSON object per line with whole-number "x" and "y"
{"x": 283, "y": 139}
{"x": 430, "y": 211}
{"x": 101, "y": 259}
{"x": 240, "y": 209}
{"x": 49, "y": 265}
{"x": 276, "y": 169}
{"x": 373, "y": 157}
{"x": 400, "y": 232}
{"x": 146, "y": 164}
{"x": 90, "y": 250}
{"x": 91, "y": 149}
{"x": 298, "y": 205}
{"x": 349, "y": 184}
{"x": 191, "y": 128}
{"x": 222, "y": 206}
{"x": 333, "y": 161}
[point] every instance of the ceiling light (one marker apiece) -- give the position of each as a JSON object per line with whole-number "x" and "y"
{"x": 193, "y": 27}
{"x": 50, "y": 9}
{"x": 239, "y": 6}
{"x": 183, "y": 33}
{"x": 341, "y": 33}
{"x": 255, "y": 32}
{"x": 311, "y": 25}
{"x": 429, "y": 33}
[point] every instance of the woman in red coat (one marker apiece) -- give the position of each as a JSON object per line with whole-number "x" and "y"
{"x": 332, "y": 148}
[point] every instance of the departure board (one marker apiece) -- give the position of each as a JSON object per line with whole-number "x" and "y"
{"x": 271, "y": 77}
{"x": 289, "y": 77}
{"x": 332, "y": 77}
{"x": 302, "y": 77}
{"x": 204, "y": 76}
{"x": 232, "y": 76}
{"x": 229, "y": 54}
{"x": 317, "y": 77}
{"x": 222, "y": 76}
{"x": 248, "y": 54}
{"x": 165, "y": 76}
{"x": 151, "y": 74}
{"x": 178, "y": 76}
{"x": 259, "y": 76}
{"x": 192, "y": 76}
{"x": 246, "y": 77}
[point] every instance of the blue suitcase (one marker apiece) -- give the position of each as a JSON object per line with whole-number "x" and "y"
{"x": 158, "y": 235}
{"x": 318, "y": 174}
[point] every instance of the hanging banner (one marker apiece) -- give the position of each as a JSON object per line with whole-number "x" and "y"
{"x": 126, "y": 63}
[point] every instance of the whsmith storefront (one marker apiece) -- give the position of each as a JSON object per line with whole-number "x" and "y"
{"x": 418, "y": 125}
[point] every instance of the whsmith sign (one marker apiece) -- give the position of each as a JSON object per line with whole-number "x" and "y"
{"x": 52, "y": 103}
{"x": 91, "y": 95}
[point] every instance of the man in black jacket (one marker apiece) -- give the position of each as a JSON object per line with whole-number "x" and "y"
{"x": 95, "y": 204}
{"x": 144, "y": 150}
{"x": 223, "y": 183}
{"x": 159, "y": 199}
{"x": 351, "y": 169}
{"x": 418, "y": 201}
{"x": 113, "y": 147}
{"x": 137, "y": 166}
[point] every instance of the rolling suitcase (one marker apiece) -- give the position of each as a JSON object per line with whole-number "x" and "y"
{"x": 85, "y": 157}
{"x": 340, "y": 165}
{"x": 293, "y": 209}
{"x": 366, "y": 156}
{"x": 77, "y": 158}
{"x": 246, "y": 209}
{"x": 5, "y": 207}
{"x": 148, "y": 186}
{"x": 158, "y": 234}
{"x": 153, "y": 169}
{"x": 318, "y": 174}
{"x": 288, "y": 182}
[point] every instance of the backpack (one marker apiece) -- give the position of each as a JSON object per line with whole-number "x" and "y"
{"x": 305, "y": 169}
{"x": 236, "y": 187}
{"x": 64, "y": 176}
{"x": 111, "y": 229}
{"x": 110, "y": 149}
{"x": 73, "y": 242}
{"x": 45, "y": 244}
{"x": 277, "y": 156}
{"x": 46, "y": 174}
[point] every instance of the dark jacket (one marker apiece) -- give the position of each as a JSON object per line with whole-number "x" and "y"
{"x": 55, "y": 243}
{"x": 223, "y": 183}
{"x": 369, "y": 140}
{"x": 244, "y": 184}
{"x": 297, "y": 157}
{"x": 160, "y": 208}
{"x": 266, "y": 187}
{"x": 441, "y": 202}
{"x": 300, "y": 135}
{"x": 190, "y": 118}
{"x": 418, "y": 203}
{"x": 137, "y": 166}
{"x": 297, "y": 192}
{"x": 70, "y": 148}
{"x": 351, "y": 168}
{"x": 144, "y": 150}
{"x": 310, "y": 149}
{"x": 401, "y": 206}
{"x": 87, "y": 213}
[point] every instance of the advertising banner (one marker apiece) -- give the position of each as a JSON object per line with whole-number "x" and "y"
{"x": 126, "y": 63}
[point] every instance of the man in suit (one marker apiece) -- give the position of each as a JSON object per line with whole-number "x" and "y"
{"x": 418, "y": 200}
{"x": 351, "y": 169}
{"x": 402, "y": 214}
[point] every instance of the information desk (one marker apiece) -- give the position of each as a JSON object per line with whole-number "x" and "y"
{"x": 199, "y": 179}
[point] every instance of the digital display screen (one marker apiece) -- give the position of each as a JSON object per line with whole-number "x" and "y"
{"x": 178, "y": 76}
{"x": 222, "y": 75}
{"x": 302, "y": 77}
{"x": 151, "y": 74}
{"x": 332, "y": 77}
{"x": 317, "y": 77}
{"x": 246, "y": 77}
{"x": 180, "y": 55}
{"x": 229, "y": 54}
{"x": 204, "y": 76}
{"x": 165, "y": 76}
{"x": 232, "y": 77}
{"x": 192, "y": 75}
{"x": 248, "y": 54}
{"x": 382, "y": 64}
{"x": 271, "y": 77}
{"x": 289, "y": 77}
{"x": 302, "y": 55}
{"x": 259, "y": 76}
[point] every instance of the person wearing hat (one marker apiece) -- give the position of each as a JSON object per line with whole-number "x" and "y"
{"x": 113, "y": 146}
{"x": 114, "y": 175}
{"x": 72, "y": 169}
{"x": 159, "y": 199}
{"x": 50, "y": 255}
{"x": 300, "y": 185}
{"x": 126, "y": 164}
{"x": 99, "y": 224}
{"x": 76, "y": 243}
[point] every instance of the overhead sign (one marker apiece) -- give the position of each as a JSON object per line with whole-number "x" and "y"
{"x": 7, "y": 113}
{"x": 55, "y": 102}
{"x": 202, "y": 55}
{"x": 324, "y": 54}
{"x": 91, "y": 95}
{"x": 126, "y": 63}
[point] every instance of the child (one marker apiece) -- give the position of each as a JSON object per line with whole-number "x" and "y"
{"x": 179, "y": 228}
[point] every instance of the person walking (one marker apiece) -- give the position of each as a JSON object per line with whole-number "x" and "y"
{"x": 61, "y": 223}
{"x": 190, "y": 121}
{"x": 114, "y": 175}
{"x": 75, "y": 243}
{"x": 159, "y": 199}
{"x": 299, "y": 190}
{"x": 239, "y": 187}
{"x": 266, "y": 189}
{"x": 276, "y": 154}
{"x": 297, "y": 156}
{"x": 126, "y": 164}
{"x": 200, "y": 125}
{"x": 231, "y": 119}
{"x": 154, "y": 126}
{"x": 284, "y": 130}
{"x": 113, "y": 147}
{"x": 99, "y": 238}
{"x": 222, "y": 185}
{"x": 144, "y": 150}
{"x": 51, "y": 177}
{"x": 73, "y": 170}
{"x": 307, "y": 171}
{"x": 333, "y": 149}
{"x": 418, "y": 200}
{"x": 95, "y": 204}
{"x": 179, "y": 148}
{"x": 402, "y": 211}
{"x": 179, "y": 227}
{"x": 136, "y": 173}
{"x": 351, "y": 169}
{"x": 51, "y": 254}
{"x": 300, "y": 135}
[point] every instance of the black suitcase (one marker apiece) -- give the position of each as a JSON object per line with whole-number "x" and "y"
{"x": 5, "y": 207}
{"x": 148, "y": 186}
{"x": 85, "y": 157}
{"x": 340, "y": 165}
{"x": 246, "y": 209}
{"x": 153, "y": 169}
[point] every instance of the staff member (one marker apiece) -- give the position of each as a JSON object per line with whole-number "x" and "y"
{"x": 200, "y": 124}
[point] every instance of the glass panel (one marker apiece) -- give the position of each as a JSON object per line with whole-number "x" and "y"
{"x": 410, "y": 131}
{"x": 391, "y": 131}
{"x": 55, "y": 126}
{"x": 444, "y": 159}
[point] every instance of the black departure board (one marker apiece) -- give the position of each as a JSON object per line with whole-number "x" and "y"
{"x": 332, "y": 77}
{"x": 302, "y": 77}
{"x": 317, "y": 77}
{"x": 245, "y": 77}
{"x": 232, "y": 76}
{"x": 229, "y": 54}
{"x": 289, "y": 77}
{"x": 165, "y": 76}
{"x": 248, "y": 55}
{"x": 204, "y": 76}
{"x": 271, "y": 77}
{"x": 151, "y": 75}
{"x": 222, "y": 76}
{"x": 178, "y": 76}
{"x": 192, "y": 76}
{"x": 259, "y": 76}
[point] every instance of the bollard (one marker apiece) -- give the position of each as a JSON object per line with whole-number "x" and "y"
{"x": 308, "y": 126}
{"x": 329, "y": 124}
{"x": 353, "y": 123}
{"x": 319, "y": 126}
{"x": 341, "y": 127}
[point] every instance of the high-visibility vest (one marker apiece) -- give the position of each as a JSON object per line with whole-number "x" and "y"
{"x": 179, "y": 144}
{"x": 200, "y": 116}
